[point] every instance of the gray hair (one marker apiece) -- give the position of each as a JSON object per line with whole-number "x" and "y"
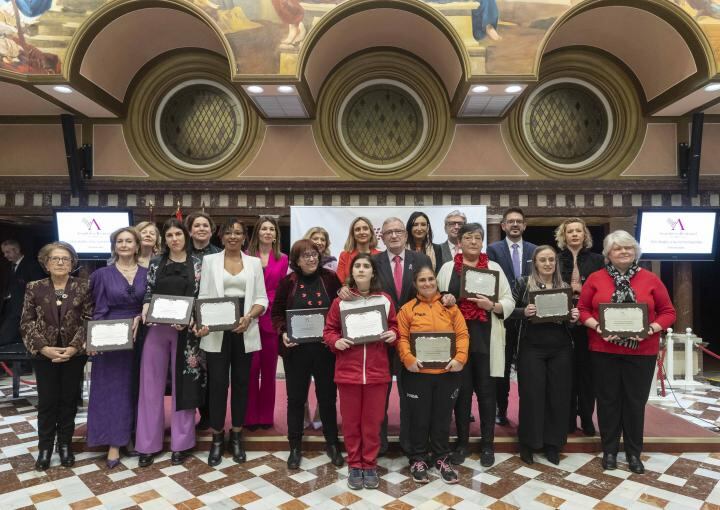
{"x": 620, "y": 238}
{"x": 456, "y": 212}
{"x": 392, "y": 219}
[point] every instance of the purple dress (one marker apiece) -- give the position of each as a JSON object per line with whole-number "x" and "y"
{"x": 111, "y": 410}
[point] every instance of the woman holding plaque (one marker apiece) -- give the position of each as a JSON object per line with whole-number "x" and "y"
{"x": 623, "y": 366}
{"x": 118, "y": 290}
{"x": 149, "y": 242}
{"x": 486, "y": 359}
{"x": 265, "y": 244}
{"x": 231, "y": 273}
{"x": 308, "y": 287}
{"x": 360, "y": 239}
{"x": 420, "y": 237}
{"x": 321, "y": 238}
{"x": 174, "y": 273}
{"x": 362, "y": 373}
{"x": 544, "y": 363}
{"x": 436, "y": 387}
{"x": 53, "y": 330}
{"x": 576, "y": 263}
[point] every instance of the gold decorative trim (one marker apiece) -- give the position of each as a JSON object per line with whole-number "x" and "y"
{"x": 146, "y": 97}
{"x": 620, "y": 92}
{"x": 387, "y": 65}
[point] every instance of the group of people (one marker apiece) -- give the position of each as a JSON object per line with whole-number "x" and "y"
{"x": 563, "y": 366}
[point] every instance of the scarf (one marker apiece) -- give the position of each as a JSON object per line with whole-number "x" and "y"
{"x": 469, "y": 310}
{"x": 623, "y": 294}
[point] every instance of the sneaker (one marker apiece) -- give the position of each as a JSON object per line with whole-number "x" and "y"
{"x": 419, "y": 473}
{"x": 370, "y": 479}
{"x": 355, "y": 478}
{"x": 447, "y": 473}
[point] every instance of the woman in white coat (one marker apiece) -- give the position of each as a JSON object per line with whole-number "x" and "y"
{"x": 231, "y": 273}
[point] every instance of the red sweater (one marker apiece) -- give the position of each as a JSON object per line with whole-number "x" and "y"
{"x": 360, "y": 364}
{"x": 648, "y": 288}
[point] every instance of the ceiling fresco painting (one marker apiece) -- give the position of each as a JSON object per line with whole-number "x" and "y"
{"x": 501, "y": 37}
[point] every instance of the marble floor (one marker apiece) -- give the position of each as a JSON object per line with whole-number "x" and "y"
{"x": 672, "y": 481}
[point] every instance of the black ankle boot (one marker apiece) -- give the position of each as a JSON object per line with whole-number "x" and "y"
{"x": 294, "y": 458}
{"x": 216, "y": 448}
{"x": 43, "y": 460}
{"x": 238, "y": 452}
{"x": 67, "y": 458}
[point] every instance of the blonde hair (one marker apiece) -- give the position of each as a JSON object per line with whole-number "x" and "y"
{"x": 113, "y": 240}
{"x": 44, "y": 253}
{"x": 145, "y": 224}
{"x": 560, "y": 233}
{"x": 320, "y": 230}
{"x": 350, "y": 245}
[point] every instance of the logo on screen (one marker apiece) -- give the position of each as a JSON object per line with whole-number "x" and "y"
{"x": 90, "y": 223}
{"x": 676, "y": 223}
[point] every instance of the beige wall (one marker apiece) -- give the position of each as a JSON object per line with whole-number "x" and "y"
{"x": 33, "y": 150}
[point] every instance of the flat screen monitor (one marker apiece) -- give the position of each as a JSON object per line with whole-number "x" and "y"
{"x": 88, "y": 230}
{"x": 678, "y": 233}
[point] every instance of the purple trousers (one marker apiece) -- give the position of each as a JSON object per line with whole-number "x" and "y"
{"x": 261, "y": 391}
{"x": 159, "y": 352}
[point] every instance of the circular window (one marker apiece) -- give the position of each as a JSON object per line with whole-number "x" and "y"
{"x": 567, "y": 123}
{"x": 382, "y": 124}
{"x": 199, "y": 123}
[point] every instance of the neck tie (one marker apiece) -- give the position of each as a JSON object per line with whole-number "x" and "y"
{"x": 516, "y": 261}
{"x": 398, "y": 274}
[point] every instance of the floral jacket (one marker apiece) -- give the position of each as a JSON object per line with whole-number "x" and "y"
{"x": 43, "y": 324}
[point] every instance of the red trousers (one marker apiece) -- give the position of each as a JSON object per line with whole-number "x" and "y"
{"x": 362, "y": 407}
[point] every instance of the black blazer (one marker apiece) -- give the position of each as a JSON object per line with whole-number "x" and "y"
{"x": 588, "y": 262}
{"x": 28, "y": 270}
{"x": 413, "y": 260}
{"x": 499, "y": 252}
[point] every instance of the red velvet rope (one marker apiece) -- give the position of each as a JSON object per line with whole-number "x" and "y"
{"x": 707, "y": 351}
{"x": 10, "y": 373}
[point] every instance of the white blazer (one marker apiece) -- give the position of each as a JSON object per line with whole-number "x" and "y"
{"x": 211, "y": 286}
{"x": 497, "y": 330}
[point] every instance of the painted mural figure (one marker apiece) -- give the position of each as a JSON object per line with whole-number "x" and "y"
{"x": 292, "y": 13}
{"x": 16, "y": 54}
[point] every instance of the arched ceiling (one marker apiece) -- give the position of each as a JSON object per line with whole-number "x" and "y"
{"x": 647, "y": 44}
{"x": 384, "y": 27}
{"x": 125, "y": 43}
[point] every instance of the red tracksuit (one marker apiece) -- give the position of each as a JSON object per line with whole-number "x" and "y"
{"x": 362, "y": 375}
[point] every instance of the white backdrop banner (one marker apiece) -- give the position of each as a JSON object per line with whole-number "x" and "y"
{"x": 337, "y": 220}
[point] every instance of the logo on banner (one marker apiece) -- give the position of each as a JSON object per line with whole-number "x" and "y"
{"x": 90, "y": 223}
{"x": 674, "y": 223}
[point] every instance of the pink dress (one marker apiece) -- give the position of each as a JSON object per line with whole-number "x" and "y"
{"x": 261, "y": 392}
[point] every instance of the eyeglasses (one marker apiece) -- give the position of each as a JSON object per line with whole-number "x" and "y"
{"x": 60, "y": 260}
{"x": 454, "y": 223}
{"x": 514, "y": 222}
{"x": 310, "y": 255}
{"x": 469, "y": 238}
{"x": 393, "y": 232}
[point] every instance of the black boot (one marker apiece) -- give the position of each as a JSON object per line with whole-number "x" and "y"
{"x": 43, "y": 460}
{"x": 67, "y": 458}
{"x": 333, "y": 451}
{"x": 216, "y": 448}
{"x": 294, "y": 458}
{"x": 238, "y": 452}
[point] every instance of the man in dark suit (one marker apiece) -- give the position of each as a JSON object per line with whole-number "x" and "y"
{"x": 515, "y": 258}
{"x": 447, "y": 250}
{"x": 395, "y": 274}
{"x": 22, "y": 271}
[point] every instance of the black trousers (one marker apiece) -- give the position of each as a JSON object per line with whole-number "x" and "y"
{"x": 544, "y": 384}
{"x": 58, "y": 387}
{"x": 475, "y": 376}
{"x": 301, "y": 363}
{"x": 582, "y": 397}
{"x": 429, "y": 401}
{"x": 502, "y": 386}
{"x": 229, "y": 366}
{"x": 622, "y": 386}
